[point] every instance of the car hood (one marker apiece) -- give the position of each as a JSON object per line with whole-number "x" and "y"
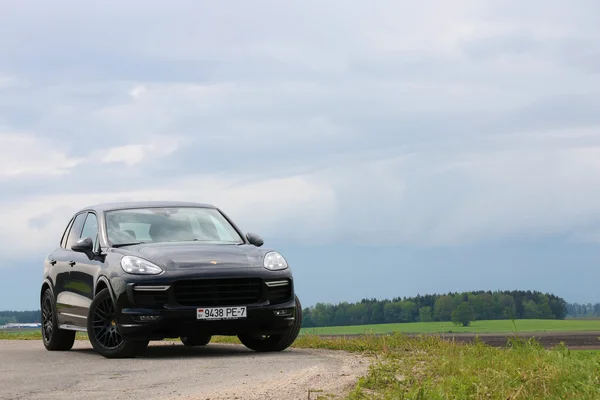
{"x": 193, "y": 255}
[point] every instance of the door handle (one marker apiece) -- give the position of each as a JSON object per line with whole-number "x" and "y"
{"x": 71, "y": 263}
{"x": 52, "y": 262}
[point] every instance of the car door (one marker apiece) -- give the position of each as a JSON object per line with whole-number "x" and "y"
{"x": 84, "y": 271}
{"x": 57, "y": 270}
{"x": 63, "y": 263}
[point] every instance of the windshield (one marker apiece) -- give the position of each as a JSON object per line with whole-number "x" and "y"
{"x": 151, "y": 225}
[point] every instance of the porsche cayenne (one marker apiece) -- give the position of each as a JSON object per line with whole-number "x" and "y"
{"x": 129, "y": 273}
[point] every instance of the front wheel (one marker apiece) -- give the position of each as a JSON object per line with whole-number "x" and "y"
{"x": 53, "y": 337}
{"x": 103, "y": 332}
{"x": 265, "y": 343}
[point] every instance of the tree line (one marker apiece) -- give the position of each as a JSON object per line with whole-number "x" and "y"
{"x": 480, "y": 305}
{"x": 13, "y": 317}
{"x": 453, "y": 306}
{"x": 576, "y": 310}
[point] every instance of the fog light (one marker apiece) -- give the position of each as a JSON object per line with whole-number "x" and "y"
{"x": 147, "y": 318}
{"x": 283, "y": 313}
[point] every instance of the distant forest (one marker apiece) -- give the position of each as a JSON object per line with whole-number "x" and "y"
{"x": 10, "y": 317}
{"x": 486, "y": 305}
{"x": 576, "y": 310}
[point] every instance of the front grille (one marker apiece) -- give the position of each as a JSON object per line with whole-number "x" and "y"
{"x": 279, "y": 294}
{"x": 218, "y": 292}
{"x": 150, "y": 299}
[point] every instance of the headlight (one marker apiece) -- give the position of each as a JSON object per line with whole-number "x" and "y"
{"x": 139, "y": 266}
{"x": 275, "y": 261}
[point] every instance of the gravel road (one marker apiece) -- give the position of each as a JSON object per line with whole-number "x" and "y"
{"x": 168, "y": 370}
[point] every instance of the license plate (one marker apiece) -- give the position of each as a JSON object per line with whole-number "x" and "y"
{"x": 221, "y": 313}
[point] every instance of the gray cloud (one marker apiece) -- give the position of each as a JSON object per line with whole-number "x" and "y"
{"x": 430, "y": 120}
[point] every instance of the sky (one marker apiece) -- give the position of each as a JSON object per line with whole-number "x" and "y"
{"x": 386, "y": 148}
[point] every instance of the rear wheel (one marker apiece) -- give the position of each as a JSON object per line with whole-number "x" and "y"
{"x": 196, "y": 340}
{"x": 53, "y": 337}
{"x": 103, "y": 332}
{"x": 265, "y": 343}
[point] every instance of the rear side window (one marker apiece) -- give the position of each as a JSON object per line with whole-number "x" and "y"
{"x": 75, "y": 230}
{"x": 65, "y": 236}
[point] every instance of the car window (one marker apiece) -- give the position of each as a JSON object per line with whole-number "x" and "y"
{"x": 224, "y": 234}
{"x": 169, "y": 225}
{"x": 75, "y": 230}
{"x": 90, "y": 228}
{"x": 65, "y": 236}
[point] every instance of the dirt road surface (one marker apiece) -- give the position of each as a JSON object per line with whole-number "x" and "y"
{"x": 172, "y": 371}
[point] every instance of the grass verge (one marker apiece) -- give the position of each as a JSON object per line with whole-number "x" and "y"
{"x": 429, "y": 367}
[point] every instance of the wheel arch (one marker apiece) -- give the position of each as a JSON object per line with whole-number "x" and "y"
{"x": 103, "y": 283}
{"x": 47, "y": 284}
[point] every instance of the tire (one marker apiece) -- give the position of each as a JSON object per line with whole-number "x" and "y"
{"x": 196, "y": 340}
{"x": 54, "y": 338}
{"x": 103, "y": 331}
{"x": 262, "y": 343}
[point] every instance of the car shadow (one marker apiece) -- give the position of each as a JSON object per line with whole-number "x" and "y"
{"x": 169, "y": 350}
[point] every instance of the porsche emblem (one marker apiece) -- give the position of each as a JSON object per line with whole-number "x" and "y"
{"x": 213, "y": 261}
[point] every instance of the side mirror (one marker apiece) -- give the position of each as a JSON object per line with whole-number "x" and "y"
{"x": 254, "y": 239}
{"x": 84, "y": 245}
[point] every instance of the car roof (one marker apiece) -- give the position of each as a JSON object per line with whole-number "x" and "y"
{"x": 143, "y": 204}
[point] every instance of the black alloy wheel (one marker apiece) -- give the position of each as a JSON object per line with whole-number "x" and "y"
{"x": 53, "y": 337}
{"x": 267, "y": 343}
{"x": 104, "y": 333}
{"x": 105, "y": 326}
{"x": 47, "y": 318}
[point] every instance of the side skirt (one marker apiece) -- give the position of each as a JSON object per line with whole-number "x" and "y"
{"x": 72, "y": 328}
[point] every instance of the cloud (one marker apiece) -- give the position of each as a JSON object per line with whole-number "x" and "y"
{"x": 428, "y": 197}
{"x": 445, "y": 198}
{"x": 7, "y": 82}
{"x": 24, "y": 154}
{"x": 137, "y": 91}
{"x": 382, "y": 125}
{"x": 155, "y": 149}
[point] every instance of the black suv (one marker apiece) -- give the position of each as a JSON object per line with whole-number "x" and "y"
{"x": 129, "y": 273}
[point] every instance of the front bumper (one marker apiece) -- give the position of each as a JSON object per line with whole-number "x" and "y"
{"x": 176, "y": 323}
{"x": 167, "y": 317}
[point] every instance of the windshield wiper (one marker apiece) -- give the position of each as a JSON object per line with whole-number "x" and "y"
{"x": 127, "y": 244}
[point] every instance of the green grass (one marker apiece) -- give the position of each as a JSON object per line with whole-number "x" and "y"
{"x": 31, "y": 334}
{"x": 500, "y": 326}
{"x": 431, "y": 368}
